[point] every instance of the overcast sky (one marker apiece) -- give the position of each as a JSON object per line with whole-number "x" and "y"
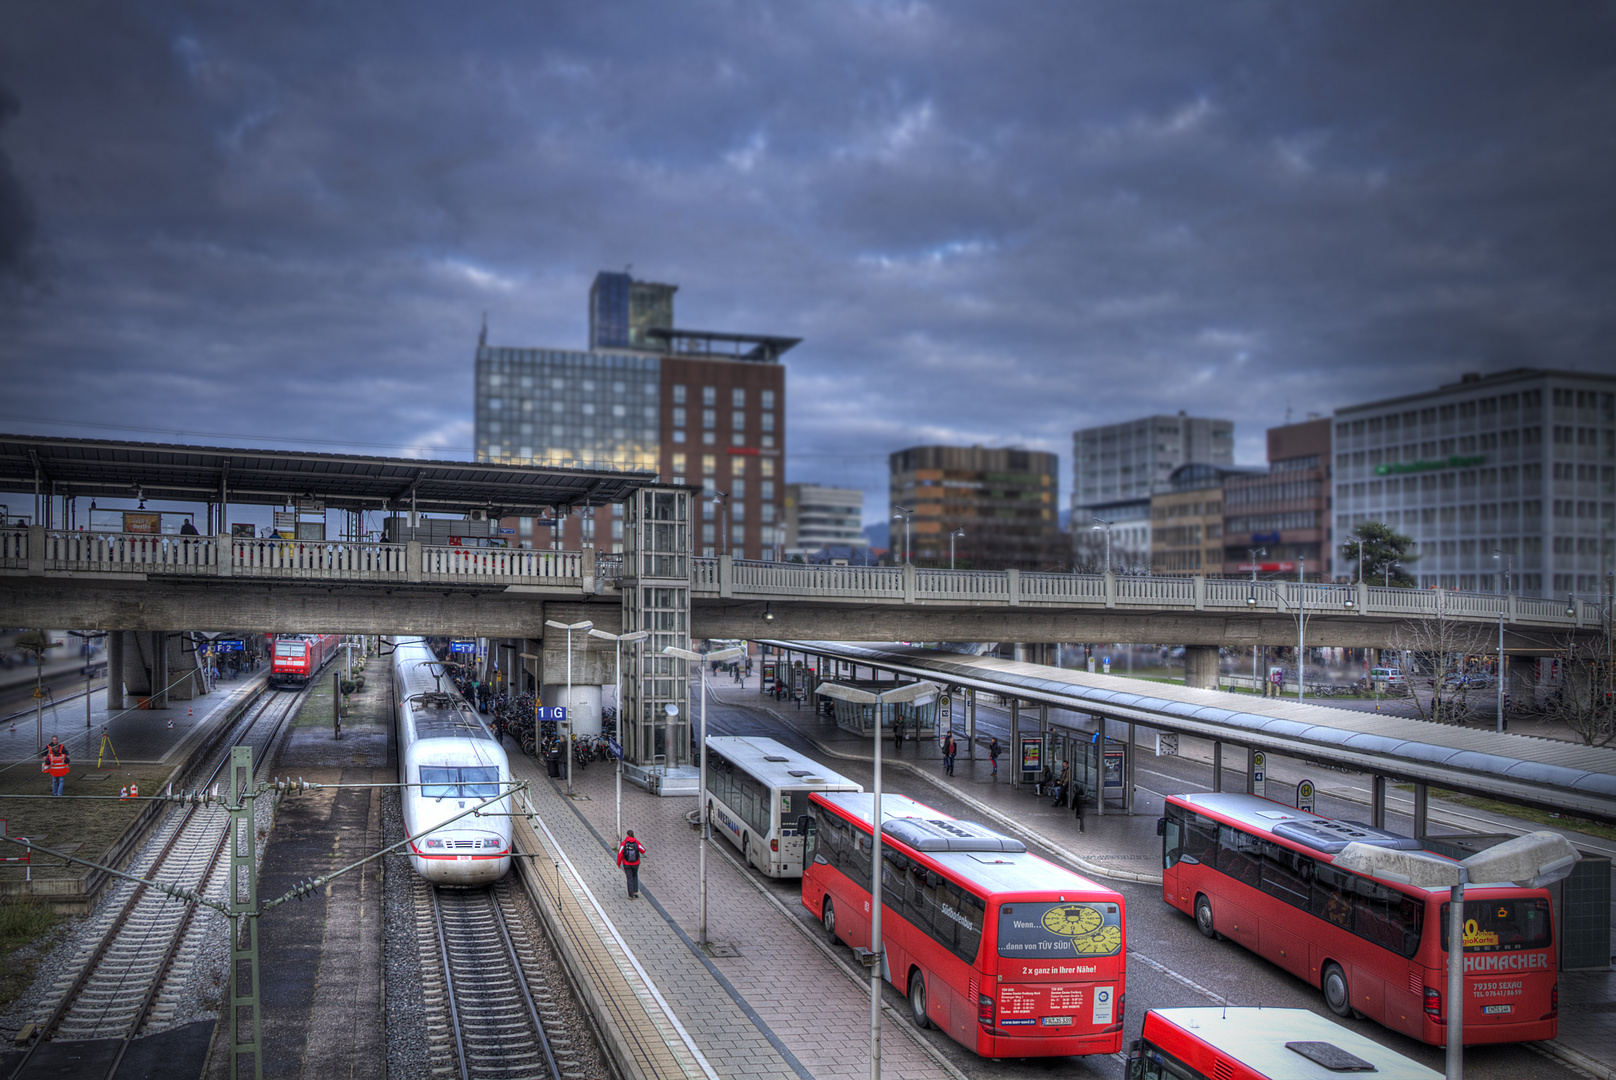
{"x": 280, "y": 224}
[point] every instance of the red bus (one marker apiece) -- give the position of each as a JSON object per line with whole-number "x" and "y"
{"x": 1010, "y": 955}
{"x": 298, "y": 658}
{"x": 1260, "y": 1044}
{"x": 1260, "y": 872}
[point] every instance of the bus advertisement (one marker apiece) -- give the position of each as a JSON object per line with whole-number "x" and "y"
{"x": 1260, "y": 1044}
{"x": 1260, "y": 873}
{"x": 1005, "y": 952}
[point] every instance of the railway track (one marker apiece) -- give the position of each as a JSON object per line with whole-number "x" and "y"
{"x": 494, "y": 1023}
{"x": 138, "y": 942}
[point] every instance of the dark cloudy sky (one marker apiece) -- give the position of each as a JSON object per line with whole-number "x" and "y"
{"x": 990, "y": 222}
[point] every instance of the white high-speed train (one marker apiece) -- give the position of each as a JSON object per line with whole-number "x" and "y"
{"x": 444, "y": 746}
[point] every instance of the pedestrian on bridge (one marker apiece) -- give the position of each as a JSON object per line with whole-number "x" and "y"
{"x": 54, "y": 760}
{"x": 628, "y": 857}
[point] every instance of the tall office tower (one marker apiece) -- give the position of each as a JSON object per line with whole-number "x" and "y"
{"x": 1186, "y": 520}
{"x": 1522, "y": 463}
{"x": 623, "y": 311}
{"x": 824, "y": 519}
{"x": 697, "y": 407}
{"x": 1001, "y": 501}
{"x": 1279, "y": 521}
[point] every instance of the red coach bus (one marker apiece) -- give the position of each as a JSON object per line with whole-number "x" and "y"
{"x": 298, "y": 658}
{"x": 1260, "y": 872}
{"x": 1010, "y": 955}
{"x": 1260, "y": 1044}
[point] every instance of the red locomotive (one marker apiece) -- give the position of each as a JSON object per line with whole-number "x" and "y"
{"x": 298, "y": 658}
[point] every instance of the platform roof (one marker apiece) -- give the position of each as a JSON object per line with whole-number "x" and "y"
{"x": 1563, "y": 777}
{"x": 101, "y": 468}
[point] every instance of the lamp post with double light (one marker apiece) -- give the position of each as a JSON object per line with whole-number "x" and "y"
{"x": 1256, "y": 667}
{"x": 915, "y": 694}
{"x": 566, "y": 745}
{"x": 1300, "y": 615}
{"x": 1101, "y": 523}
{"x": 1505, "y": 565}
{"x": 617, "y": 700}
{"x": 698, "y": 659}
{"x": 951, "y": 537}
{"x": 1533, "y": 861}
{"x": 907, "y": 514}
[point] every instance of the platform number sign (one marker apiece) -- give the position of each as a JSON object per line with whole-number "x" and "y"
{"x": 558, "y": 713}
{"x": 945, "y": 711}
{"x": 1304, "y": 796}
{"x": 1259, "y": 774}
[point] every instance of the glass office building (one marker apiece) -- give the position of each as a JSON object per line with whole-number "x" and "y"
{"x": 560, "y": 407}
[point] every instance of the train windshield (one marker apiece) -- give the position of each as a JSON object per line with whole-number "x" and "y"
{"x": 469, "y": 783}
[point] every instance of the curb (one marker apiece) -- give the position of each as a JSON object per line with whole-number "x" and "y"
{"x": 1575, "y": 1058}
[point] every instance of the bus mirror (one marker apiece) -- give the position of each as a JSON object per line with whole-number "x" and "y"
{"x": 1161, "y": 826}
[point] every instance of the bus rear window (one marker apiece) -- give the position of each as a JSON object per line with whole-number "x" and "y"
{"x": 1040, "y": 931}
{"x": 1503, "y": 925}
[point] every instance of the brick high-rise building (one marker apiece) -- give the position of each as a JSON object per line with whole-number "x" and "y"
{"x": 1002, "y": 499}
{"x": 697, "y": 407}
{"x": 1285, "y": 512}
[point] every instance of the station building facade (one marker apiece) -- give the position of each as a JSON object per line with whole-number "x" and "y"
{"x": 1003, "y": 499}
{"x": 1522, "y": 463}
{"x": 1278, "y": 522}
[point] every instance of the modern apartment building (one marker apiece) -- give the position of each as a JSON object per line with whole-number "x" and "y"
{"x": 704, "y": 408}
{"x": 817, "y": 518}
{"x": 1186, "y": 520}
{"x": 1279, "y": 521}
{"x": 997, "y": 504}
{"x": 1521, "y": 462}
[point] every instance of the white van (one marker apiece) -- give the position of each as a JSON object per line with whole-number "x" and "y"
{"x": 1389, "y": 675}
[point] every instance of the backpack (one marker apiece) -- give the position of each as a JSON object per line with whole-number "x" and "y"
{"x": 631, "y": 853}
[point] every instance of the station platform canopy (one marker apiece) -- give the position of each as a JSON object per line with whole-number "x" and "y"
{"x": 100, "y": 468}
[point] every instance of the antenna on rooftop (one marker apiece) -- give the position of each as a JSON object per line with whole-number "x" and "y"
{"x": 482, "y": 338}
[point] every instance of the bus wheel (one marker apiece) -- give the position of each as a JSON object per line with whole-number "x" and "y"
{"x": 917, "y": 999}
{"x": 1337, "y": 994}
{"x": 1203, "y": 917}
{"x": 827, "y": 915}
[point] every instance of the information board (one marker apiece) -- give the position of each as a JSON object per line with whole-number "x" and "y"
{"x": 1032, "y": 754}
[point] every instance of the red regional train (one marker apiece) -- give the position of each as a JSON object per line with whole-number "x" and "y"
{"x": 298, "y": 658}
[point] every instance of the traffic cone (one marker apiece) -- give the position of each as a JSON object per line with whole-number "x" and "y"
{"x": 134, "y": 791}
{"x": 189, "y": 712}
{"x": 171, "y": 723}
{"x": 123, "y": 792}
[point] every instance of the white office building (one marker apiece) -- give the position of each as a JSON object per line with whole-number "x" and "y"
{"x": 818, "y": 517}
{"x": 1522, "y": 463}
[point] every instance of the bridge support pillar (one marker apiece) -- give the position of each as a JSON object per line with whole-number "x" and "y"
{"x": 1377, "y": 802}
{"x": 1421, "y": 822}
{"x": 1217, "y": 766}
{"x": 159, "y": 690}
{"x": 1201, "y": 667}
{"x": 115, "y": 671}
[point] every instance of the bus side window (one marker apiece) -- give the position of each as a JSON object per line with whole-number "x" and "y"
{"x": 1238, "y": 856}
{"x": 1286, "y": 874}
{"x": 1332, "y": 896}
{"x": 1172, "y": 838}
{"x": 1201, "y": 840}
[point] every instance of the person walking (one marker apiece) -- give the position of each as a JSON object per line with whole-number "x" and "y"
{"x": 1062, "y": 790}
{"x": 897, "y": 735}
{"x": 628, "y": 857}
{"x": 1077, "y": 804}
{"x": 993, "y": 753}
{"x": 54, "y": 760}
{"x": 949, "y": 750}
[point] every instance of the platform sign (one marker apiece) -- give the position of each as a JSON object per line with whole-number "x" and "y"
{"x": 229, "y": 645}
{"x": 462, "y": 646}
{"x": 1304, "y": 796}
{"x": 557, "y": 713}
{"x": 945, "y": 711}
{"x": 1259, "y": 774}
{"x": 615, "y": 749}
{"x": 1113, "y": 770}
{"x": 1032, "y": 754}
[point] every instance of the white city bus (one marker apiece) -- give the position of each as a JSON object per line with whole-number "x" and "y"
{"x": 756, "y": 791}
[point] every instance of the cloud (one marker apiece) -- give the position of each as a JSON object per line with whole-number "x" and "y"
{"x": 17, "y": 221}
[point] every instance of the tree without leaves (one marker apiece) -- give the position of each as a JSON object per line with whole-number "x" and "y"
{"x": 1384, "y": 548}
{"x": 1585, "y": 700}
{"x": 1435, "y": 683}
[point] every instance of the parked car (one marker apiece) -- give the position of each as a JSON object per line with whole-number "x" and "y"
{"x": 1389, "y": 675}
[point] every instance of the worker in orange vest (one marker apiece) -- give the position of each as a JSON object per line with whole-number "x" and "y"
{"x": 55, "y": 761}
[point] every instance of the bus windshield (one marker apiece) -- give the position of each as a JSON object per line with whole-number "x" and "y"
{"x": 1503, "y": 925}
{"x": 1034, "y": 931}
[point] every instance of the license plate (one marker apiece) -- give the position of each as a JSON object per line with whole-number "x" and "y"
{"x": 1493, "y": 1010}
{"x": 1057, "y": 1021}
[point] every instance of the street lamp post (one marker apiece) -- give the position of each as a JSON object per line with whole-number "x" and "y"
{"x": 89, "y": 636}
{"x": 951, "y": 536}
{"x": 1531, "y": 861}
{"x": 915, "y": 693}
{"x": 617, "y": 700}
{"x": 1100, "y": 523}
{"x": 1256, "y": 668}
{"x": 1301, "y": 621}
{"x": 1505, "y": 565}
{"x": 907, "y": 515}
{"x": 721, "y": 500}
{"x": 701, "y": 782}
{"x": 566, "y": 747}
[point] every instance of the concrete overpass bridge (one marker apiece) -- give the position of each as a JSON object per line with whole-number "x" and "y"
{"x": 147, "y": 582}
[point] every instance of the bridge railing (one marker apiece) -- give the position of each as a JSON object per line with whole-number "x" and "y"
{"x": 799, "y": 579}
{"x": 460, "y": 565}
{"x": 13, "y": 549}
{"x": 160, "y": 553}
{"x": 320, "y": 560}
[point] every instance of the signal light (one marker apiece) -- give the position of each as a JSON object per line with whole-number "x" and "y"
{"x": 1433, "y": 1003}
{"x": 984, "y": 1010}
{"x": 774, "y": 845}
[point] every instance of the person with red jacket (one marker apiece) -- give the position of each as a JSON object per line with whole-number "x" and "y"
{"x": 55, "y": 761}
{"x": 629, "y": 853}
